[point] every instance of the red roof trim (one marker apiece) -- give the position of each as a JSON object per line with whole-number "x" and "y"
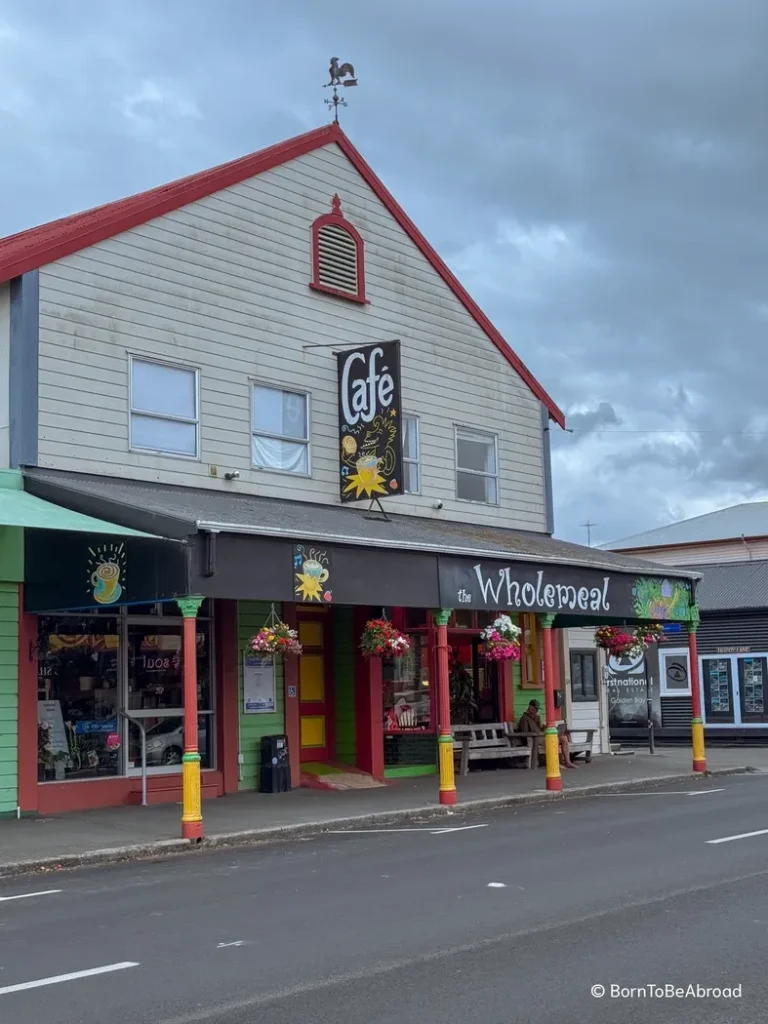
{"x": 36, "y": 247}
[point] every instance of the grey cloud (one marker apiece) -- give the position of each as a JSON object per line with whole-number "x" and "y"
{"x": 633, "y": 129}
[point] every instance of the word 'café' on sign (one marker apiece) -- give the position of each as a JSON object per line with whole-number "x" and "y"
{"x": 364, "y": 397}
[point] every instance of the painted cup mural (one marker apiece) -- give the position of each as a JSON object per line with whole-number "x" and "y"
{"x": 311, "y": 574}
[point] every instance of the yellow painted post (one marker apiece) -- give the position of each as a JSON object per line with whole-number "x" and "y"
{"x": 697, "y": 725}
{"x": 554, "y": 781}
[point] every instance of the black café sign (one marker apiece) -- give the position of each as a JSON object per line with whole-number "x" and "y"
{"x": 370, "y": 427}
{"x": 559, "y": 590}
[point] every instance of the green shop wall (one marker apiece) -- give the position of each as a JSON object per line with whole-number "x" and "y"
{"x": 251, "y": 616}
{"x": 523, "y": 697}
{"x": 344, "y": 682}
{"x": 9, "y": 715}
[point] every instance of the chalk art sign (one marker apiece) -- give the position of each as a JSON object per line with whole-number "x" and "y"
{"x": 370, "y": 428}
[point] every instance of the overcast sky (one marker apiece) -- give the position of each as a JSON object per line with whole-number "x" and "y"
{"x": 595, "y": 171}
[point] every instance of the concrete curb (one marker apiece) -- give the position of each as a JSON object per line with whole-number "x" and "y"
{"x": 163, "y": 849}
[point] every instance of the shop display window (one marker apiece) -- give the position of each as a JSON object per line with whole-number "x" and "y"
{"x": 102, "y": 679}
{"x": 78, "y": 699}
{"x": 407, "y": 689}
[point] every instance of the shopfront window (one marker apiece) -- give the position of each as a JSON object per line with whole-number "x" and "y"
{"x": 407, "y": 690}
{"x": 78, "y": 698}
{"x": 102, "y": 679}
{"x": 156, "y": 684}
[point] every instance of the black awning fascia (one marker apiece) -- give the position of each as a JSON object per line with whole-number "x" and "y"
{"x": 168, "y": 527}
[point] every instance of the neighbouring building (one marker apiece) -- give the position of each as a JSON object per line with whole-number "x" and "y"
{"x": 729, "y": 548}
{"x": 264, "y": 388}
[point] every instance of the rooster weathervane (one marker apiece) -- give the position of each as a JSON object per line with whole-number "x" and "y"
{"x": 340, "y": 74}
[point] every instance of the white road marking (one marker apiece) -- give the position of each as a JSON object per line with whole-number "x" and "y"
{"x": 666, "y": 792}
{"x": 497, "y": 885}
{"x": 58, "y": 978}
{"x": 457, "y": 828}
{"x": 28, "y": 895}
{"x": 226, "y": 945}
{"x": 732, "y": 839}
{"x": 379, "y": 831}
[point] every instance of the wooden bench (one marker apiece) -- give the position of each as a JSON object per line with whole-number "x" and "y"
{"x": 576, "y": 748}
{"x": 585, "y": 747}
{"x": 489, "y": 741}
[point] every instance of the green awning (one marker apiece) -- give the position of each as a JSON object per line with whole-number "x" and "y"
{"x": 17, "y": 508}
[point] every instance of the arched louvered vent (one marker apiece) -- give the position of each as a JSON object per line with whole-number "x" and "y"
{"x": 337, "y": 256}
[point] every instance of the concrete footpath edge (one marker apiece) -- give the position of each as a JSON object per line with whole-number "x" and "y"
{"x": 164, "y": 849}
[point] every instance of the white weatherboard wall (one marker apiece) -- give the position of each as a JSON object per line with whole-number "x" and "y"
{"x": 222, "y": 285}
{"x": 582, "y": 715}
{"x": 5, "y": 339}
{"x": 706, "y": 554}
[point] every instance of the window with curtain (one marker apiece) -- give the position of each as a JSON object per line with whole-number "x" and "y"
{"x": 164, "y": 413}
{"x": 280, "y": 430}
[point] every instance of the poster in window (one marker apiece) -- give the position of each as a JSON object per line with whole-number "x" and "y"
{"x": 370, "y": 422}
{"x": 258, "y": 684}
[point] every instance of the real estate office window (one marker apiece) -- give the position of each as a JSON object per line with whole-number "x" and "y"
{"x": 477, "y": 466}
{"x": 584, "y": 675}
{"x": 280, "y": 429}
{"x": 164, "y": 408}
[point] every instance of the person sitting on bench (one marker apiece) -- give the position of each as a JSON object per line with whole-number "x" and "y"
{"x": 530, "y": 723}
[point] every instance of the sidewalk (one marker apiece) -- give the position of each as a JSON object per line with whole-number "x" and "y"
{"x": 121, "y": 833}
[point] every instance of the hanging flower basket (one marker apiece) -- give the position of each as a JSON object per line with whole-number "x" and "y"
{"x": 276, "y": 638}
{"x": 380, "y": 639}
{"x": 651, "y": 633}
{"x": 620, "y": 642}
{"x": 501, "y": 640}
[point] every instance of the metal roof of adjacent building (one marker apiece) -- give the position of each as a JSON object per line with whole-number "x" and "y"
{"x": 177, "y": 512}
{"x": 750, "y": 519}
{"x": 733, "y": 586}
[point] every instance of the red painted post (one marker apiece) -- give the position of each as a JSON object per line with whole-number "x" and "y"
{"x": 447, "y": 791}
{"x": 552, "y": 747}
{"x": 292, "y": 716}
{"x": 375, "y": 717}
{"x": 225, "y": 617}
{"x": 192, "y": 808}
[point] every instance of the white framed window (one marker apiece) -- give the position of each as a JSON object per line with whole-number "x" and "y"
{"x": 164, "y": 408}
{"x": 675, "y": 672}
{"x": 279, "y": 429}
{"x": 411, "y": 455}
{"x": 477, "y": 466}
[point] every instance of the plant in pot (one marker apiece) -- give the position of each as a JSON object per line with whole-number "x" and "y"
{"x": 60, "y": 759}
{"x": 44, "y": 755}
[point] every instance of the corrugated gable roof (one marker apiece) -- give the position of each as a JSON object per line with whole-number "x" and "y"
{"x": 36, "y": 247}
{"x": 750, "y": 519}
{"x": 732, "y": 586}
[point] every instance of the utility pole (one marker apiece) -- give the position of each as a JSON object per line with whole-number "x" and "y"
{"x": 588, "y": 527}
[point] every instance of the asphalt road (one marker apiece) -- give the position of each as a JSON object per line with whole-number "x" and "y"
{"x": 512, "y": 921}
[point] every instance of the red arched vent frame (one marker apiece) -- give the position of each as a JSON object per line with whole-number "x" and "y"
{"x": 337, "y": 219}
